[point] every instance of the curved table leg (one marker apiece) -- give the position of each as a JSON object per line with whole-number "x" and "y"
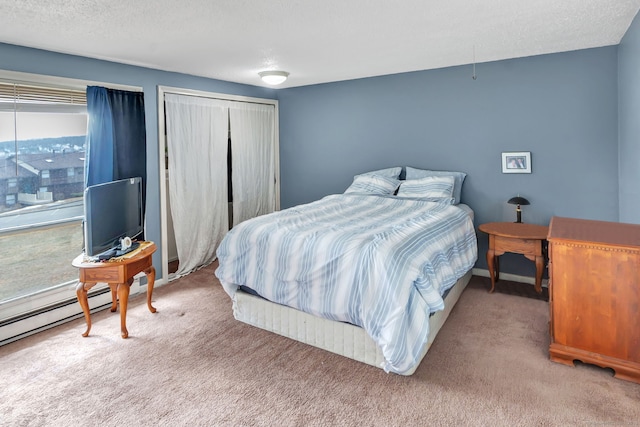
{"x": 492, "y": 272}
{"x": 114, "y": 298}
{"x": 151, "y": 278}
{"x": 81, "y": 292}
{"x": 123, "y": 296}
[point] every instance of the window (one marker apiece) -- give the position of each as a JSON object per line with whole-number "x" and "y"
{"x": 42, "y": 141}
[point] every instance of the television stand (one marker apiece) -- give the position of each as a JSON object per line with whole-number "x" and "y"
{"x": 118, "y": 273}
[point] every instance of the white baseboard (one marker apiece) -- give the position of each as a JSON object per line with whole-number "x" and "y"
{"x": 483, "y": 272}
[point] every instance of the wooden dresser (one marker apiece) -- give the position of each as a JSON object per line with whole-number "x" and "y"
{"x": 594, "y": 294}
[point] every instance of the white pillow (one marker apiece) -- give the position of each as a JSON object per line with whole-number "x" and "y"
{"x": 432, "y": 187}
{"x": 373, "y": 184}
{"x": 458, "y": 177}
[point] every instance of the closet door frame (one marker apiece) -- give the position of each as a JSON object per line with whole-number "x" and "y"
{"x": 162, "y": 144}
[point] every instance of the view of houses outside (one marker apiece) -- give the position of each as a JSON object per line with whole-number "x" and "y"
{"x": 41, "y": 209}
{"x": 42, "y": 171}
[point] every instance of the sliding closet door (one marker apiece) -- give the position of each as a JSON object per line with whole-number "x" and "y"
{"x": 253, "y": 171}
{"x": 197, "y": 135}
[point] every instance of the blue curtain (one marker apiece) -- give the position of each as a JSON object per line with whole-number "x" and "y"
{"x": 116, "y": 137}
{"x": 129, "y": 135}
{"x": 99, "y": 157}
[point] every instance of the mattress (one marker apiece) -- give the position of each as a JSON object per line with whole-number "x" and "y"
{"x": 341, "y": 338}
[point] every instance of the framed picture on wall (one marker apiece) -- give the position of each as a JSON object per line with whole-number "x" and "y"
{"x": 516, "y": 162}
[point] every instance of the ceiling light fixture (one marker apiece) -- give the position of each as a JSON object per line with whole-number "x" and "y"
{"x": 273, "y": 77}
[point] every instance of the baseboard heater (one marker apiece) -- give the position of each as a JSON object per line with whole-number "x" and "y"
{"x": 43, "y": 318}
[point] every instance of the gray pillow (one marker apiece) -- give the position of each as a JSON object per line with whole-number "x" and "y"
{"x": 389, "y": 172}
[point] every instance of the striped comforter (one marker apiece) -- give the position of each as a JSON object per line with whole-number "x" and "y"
{"x": 379, "y": 262}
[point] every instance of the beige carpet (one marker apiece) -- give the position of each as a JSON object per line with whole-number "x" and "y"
{"x": 193, "y": 364}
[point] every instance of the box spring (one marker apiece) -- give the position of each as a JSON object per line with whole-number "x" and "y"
{"x": 341, "y": 338}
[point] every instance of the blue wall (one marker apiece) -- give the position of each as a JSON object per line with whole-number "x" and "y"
{"x": 561, "y": 107}
{"x": 17, "y": 58}
{"x": 629, "y": 120}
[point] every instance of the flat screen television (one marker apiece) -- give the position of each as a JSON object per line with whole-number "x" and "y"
{"x": 112, "y": 211}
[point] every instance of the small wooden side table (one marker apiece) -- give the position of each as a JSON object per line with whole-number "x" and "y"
{"x": 118, "y": 273}
{"x": 515, "y": 237}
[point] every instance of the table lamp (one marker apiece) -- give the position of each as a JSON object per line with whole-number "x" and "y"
{"x": 518, "y": 200}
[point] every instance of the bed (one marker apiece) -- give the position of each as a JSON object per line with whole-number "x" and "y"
{"x": 371, "y": 274}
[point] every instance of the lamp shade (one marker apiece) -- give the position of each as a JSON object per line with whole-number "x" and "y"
{"x": 273, "y": 77}
{"x": 518, "y": 200}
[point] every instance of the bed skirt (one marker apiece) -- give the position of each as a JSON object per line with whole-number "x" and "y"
{"x": 341, "y": 338}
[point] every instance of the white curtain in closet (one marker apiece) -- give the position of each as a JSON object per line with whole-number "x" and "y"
{"x": 252, "y": 159}
{"x": 197, "y": 135}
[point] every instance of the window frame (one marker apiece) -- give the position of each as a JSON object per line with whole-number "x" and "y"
{"x": 29, "y": 314}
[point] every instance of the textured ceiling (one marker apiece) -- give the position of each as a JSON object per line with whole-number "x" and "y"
{"x": 316, "y": 41}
